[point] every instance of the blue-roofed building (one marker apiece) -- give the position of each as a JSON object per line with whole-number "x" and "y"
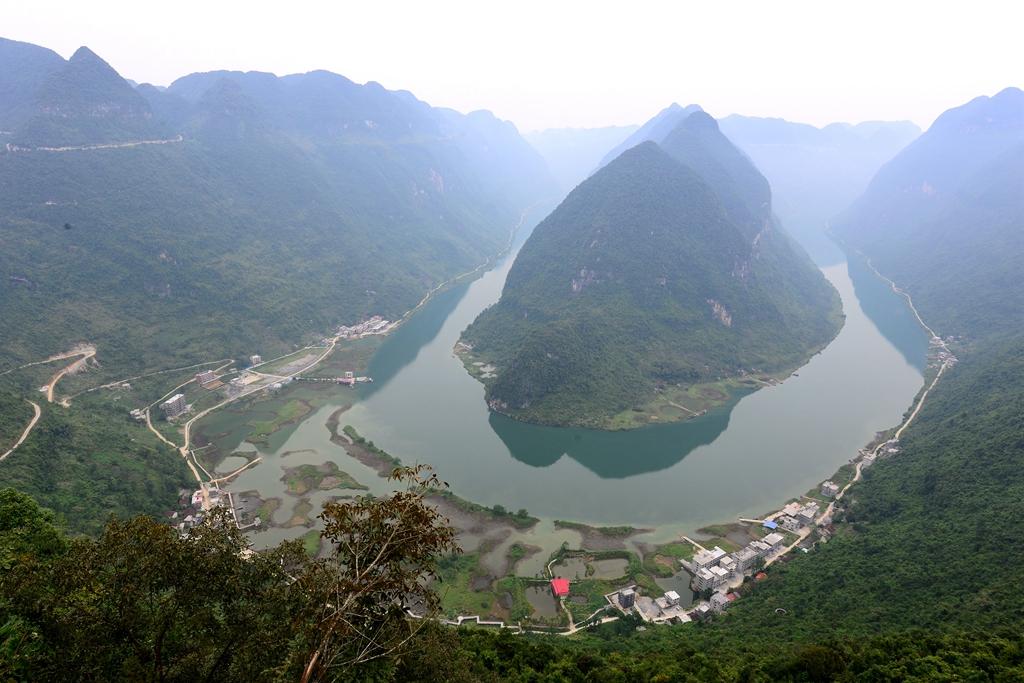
{"x": 770, "y": 525}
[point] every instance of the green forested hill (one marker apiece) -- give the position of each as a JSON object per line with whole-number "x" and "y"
{"x": 656, "y": 129}
{"x": 270, "y": 211}
{"x": 921, "y": 580}
{"x": 27, "y": 66}
{"x": 85, "y": 102}
{"x": 651, "y": 276}
{"x": 745, "y": 194}
{"x": 275, "y": 217}
{"x": 945, "y": 218}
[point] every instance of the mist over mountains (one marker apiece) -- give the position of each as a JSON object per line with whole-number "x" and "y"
{"x": 945, "y": 217}
{"x": 572, "y": 154}
{"x": 277, "y": 206}
{"x": 816, "y": 172}
{"x": 150, "y": 232}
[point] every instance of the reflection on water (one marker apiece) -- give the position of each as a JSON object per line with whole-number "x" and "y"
{"x": 611, "y": 455}
{"x": 542, "y": 601}
{"x": 888, "y": 312}
{"x": 741, "y": 460}
{"x": 397, "y": 351}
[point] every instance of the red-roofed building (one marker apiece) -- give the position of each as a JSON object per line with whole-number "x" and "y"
{"x": 760, "y": 576}
{"x": 560, "y": 587}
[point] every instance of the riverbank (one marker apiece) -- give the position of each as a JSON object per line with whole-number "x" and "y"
{"x": 666, "y": 404}
{"x": 685, "y": 476}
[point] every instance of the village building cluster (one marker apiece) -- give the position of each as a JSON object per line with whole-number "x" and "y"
{"x": 190, "y": 511}
{"x": 715, "y": 568}
{"x": 667, "y": 608}
{"x": 939, "y": 353}
{"x": 374, "y": 325}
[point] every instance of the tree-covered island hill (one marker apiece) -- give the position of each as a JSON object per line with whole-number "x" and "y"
{"x": 661, "y": 287}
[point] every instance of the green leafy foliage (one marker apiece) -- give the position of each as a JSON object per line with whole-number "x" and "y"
{"x": 87, "y": 463}
{"x": 141, "y": 602}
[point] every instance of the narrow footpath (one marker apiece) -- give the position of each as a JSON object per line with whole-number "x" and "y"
{"x": 82, "y": 355}
{"x": 28, "y": 430}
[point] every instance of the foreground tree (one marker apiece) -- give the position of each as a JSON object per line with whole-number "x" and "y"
{"x": 143, "y": 603}
{"x": 379, "y": 569}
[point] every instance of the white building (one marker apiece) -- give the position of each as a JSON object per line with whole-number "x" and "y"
{"x": 707, "y": 558}
{"x": 791, "y": 509}
{"x": 789, "y": 523}
{"x": 807, "y": 513}
{"x": 719, "y": 602}
{"x": 709, "y": 578}
{"x": 255, "y": 359}
{"x": 174, "y": 406}
{"x": 205, "y": 377}
{"x": 829, "y": 489}
{"x": 745, "y": 559}
{"x": 627, "y": 597}
{"x": 672, "y": 598}
{"x": 775, "y": 540}
{"x": 728, "y": 563}
{"x": 760, "y": 547}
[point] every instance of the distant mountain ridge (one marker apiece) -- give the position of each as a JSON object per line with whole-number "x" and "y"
{"x": 572, "y": 154}
{"x": 918, "y": 182}
{"x": 654, "y": 130}
{"x": 816, "y": 173}
{"x": 659, "y": 282}
{"x": 945, "y": 217}
{"x": 86, "y": 102}
{"x": 271, "y": 211}
{"x": 291, "y": 204}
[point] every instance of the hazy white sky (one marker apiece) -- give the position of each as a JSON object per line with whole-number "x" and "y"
{"x": 573, "y": 63}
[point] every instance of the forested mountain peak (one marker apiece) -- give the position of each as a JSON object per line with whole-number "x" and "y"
{"x": 651, "y": 276}
{"x": 84, "y": 56}
{"x": 86, "y": 102}
{"x": 948, "y": 211}
{"x": 699, "y": 143}
{"x": 922, "y": 181}
{"x": 656, "y": 129}
{"x": 23, "y": 67}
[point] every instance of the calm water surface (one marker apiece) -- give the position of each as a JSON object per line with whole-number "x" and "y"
{"x": 743, "y": 459}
